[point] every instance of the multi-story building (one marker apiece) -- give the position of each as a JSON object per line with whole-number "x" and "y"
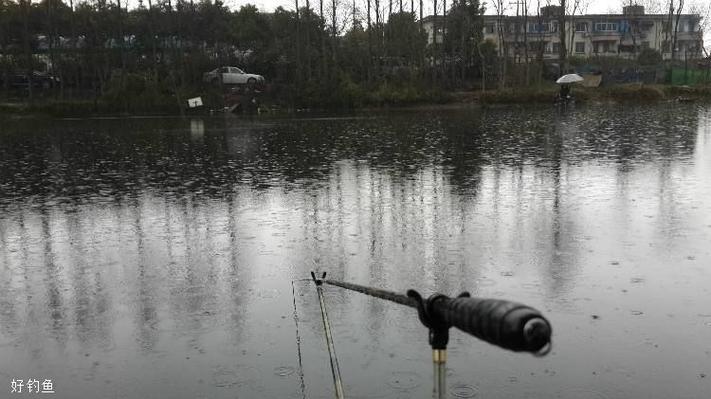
{"x": 621, "y": 35}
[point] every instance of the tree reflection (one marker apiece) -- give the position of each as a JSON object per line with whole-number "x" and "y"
{"x": 187, "y": 232}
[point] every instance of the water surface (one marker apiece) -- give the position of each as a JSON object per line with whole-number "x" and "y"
{"x": 154, "y": 258}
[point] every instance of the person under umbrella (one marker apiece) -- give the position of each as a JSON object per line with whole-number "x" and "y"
{"x": 564, "y": 82}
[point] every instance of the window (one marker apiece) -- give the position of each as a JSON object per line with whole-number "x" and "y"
{"x": 536, "y": 46}
{"x": 604, "y": 47}
{"x": 579, "y": 47}
{"x": 489, "y": 28}
{"x": 645, "y": 44}
{"x": 606, "y": 27}
{"x": 688, "y": 26}
{"x": 544, "y": 27}
{"x": 581, "y": 26}
{"x": 556, "y": 48}
{"x": 515, "y": 28}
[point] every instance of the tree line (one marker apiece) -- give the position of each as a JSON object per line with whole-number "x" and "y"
{"x": 314, "y": 53}
{"x": 318, "y": 53}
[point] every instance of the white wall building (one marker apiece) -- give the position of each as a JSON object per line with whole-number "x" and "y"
{"x": 618, "y": 35}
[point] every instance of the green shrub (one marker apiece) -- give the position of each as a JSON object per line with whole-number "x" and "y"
{"x": 649, "y": 56}
{"x": 67, "y": 108}
{"x": 519, "y": 96}
{"x": 137, "y": 94}
{"x": 636, "y": 93}
{"x": 692, "y": 91}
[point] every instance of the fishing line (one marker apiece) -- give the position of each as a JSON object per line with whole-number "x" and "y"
{"x": 298, "y": 341}
{"x": 335, "y": 370}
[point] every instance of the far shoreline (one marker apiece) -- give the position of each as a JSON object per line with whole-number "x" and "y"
{"x": 615, "y": 94}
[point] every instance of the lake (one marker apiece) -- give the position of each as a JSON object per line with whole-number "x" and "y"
{"x": 166, "y": 258}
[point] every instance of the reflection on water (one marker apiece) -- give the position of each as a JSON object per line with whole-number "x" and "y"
{"x": 154, "y": 258}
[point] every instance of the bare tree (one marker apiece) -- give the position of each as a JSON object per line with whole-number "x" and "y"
{"x": 25, "y": 6}
{"x": 298, "y": 41}
{"x": 445, "y": 64}
{"x": 334, "y": 12}
{"x": 702, "y": 8}
{"x": 679, "y": 9}
{"x": 562, "y": 49}
{"x": 577, "y": 7}
{"x": 501, "y": 9}
{"x": 540, "y": 48}
{"x": 370, "y": 40}
{"x": 668, "y": 26}
{"x": 516, "y": 24}
{"x": 324, "y": 68}
{"x": 435, "y": 47}
{"x": 525, "y": 5}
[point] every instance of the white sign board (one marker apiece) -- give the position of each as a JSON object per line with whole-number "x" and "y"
{"x": 195, "y": 102}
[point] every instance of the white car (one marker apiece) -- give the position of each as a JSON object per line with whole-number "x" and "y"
{"x": 232, "y": 76}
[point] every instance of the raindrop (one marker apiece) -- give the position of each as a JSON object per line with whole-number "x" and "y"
{"x": 404, "y": 380}
{"x": 464, "y": 391}
{"x": 227, "y": 377}
{"x": 485, "y": 282}
{"x": 284, "y": 371}
{"x": 583, "y": 394}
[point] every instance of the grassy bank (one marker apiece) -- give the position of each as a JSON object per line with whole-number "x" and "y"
{"x": 350, "y": 96}
{"x": 635, "y": 93}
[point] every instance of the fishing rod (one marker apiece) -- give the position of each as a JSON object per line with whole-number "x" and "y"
{"x": 506, "y": 324}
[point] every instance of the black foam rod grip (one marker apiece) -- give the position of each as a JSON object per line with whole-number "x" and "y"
{"x": 509, "y": 325}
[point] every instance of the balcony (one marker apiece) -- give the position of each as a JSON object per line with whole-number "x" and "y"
{"x": 602, "y": 35}
{"x": 688, "y": 35}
